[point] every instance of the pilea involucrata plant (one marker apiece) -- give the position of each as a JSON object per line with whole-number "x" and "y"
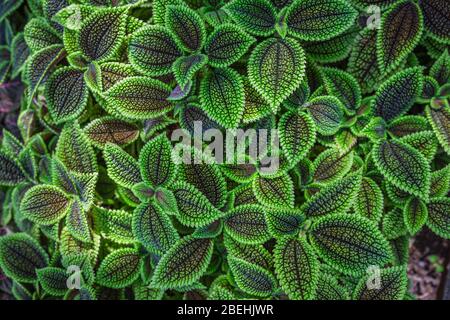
{"x": 354, "y": 108}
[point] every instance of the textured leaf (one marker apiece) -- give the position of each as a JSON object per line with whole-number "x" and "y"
{"x": 122, "y": 167}
{"x": 439, "y": 216}
{"x": 407, "y": 125}
{"x": 425, "y": 142}
{"x": 440, "y": 122}
{"x": 415, "y": 215}
{"x": 66, "y": 94}
{"x": 194, "y": 209}
{"x": 334, "y": 198}
{"x": 53, "y": 280}
{"x": 45, "y": 204}
{"x": 403, "y": 166}
{"x": 21, "y": 256}
{"x": 226, "y": 45}
{"x": 400, "y": 31}
{"x": 187, "y": 26}
{"x": 77, "y": 222}
{"x": 328, "y": 288}
{"x": 275, "y": 192}
{"x": 255, "y": 254}
{"x": 222, "y": 96}
{"x": 349, "y": 243}
{"x": 276, "y": 68}
{"x": 155, "y": 161}
{"x": 159, "y": 9}
{"x": 185, "y": 67}
{"x": 343, "y": 86}
{"x": 369, "y": 202}
{"x": 110, "y": 130}
{"x": 297, "y": 132}
{"x": 9, "y": 6}
{"x": 115, "y": 225}
{"x": 256, "y": 107}
{"x": 152, "y": 50}
{"x": 39, "y": 34}
{"x": 331, "y": 165}
{"x": 119, "y": 269}
{"x": 257, "y": 17}
{"x": 436, "y": 18}
{"x": 393, "y": 224}
{"x": 153, "y": 228}
{"x": 183, "y": 264}
{"x": 19, "y": 54}
{"x": 393, "y": 284}
{"x": 252, "y": 278}
{"x": 40, "y": 64}
{"x": 440, "y": 70}
{"x": 140, "y": 98}
{"x": 247, "y": 224}
{"x": 74, "y": 150}
{"x": 113, "y": 72}
{"x": 440, "y": 182}
{"x": 11, "y": 173}
{"x": 283, "y": 222}
{"x": 297, "y": 268}
{"x": 319, "y": 19}
{"x": 327, "y": 112}
{"x": 101, "y": 34}
{"x": 363, "y": 63}
{"x": 397, "y": 94}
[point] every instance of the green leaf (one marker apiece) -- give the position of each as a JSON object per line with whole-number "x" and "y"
{"x": 74, "y": 150}
{"x": 21, "y": 256}
{"x": 415, "y": 215}
{"x": 61, "y": 177}
{"x": 440, "y": 122}
{"x": 155, "y": 161}
{"x": 140, "y": 98}
{"x": 403, "y": 166}
{"x": 152, "y": 50}
{"x": 296, "y": 267}
{"x": 334, "y": 198}
{"x": 276, "y": 192}
{"x": 425, "y": 142}
{"x": 159, "y": 9}
{"x": 183, "y": 264}
{"x": 40, "y": 64}
{"x": 327, "y": 113}
{"x": 166, "y": 200}
{"x": 222, "y": 96}
{"x": 256, "y": 107}
{"x": 363, "y": 61}
{"x": 115, "y": 225}
{"x": 440, "y": 70}
{"x": 187, "y": 27}
{"x": 276, "y": 68}
{"x": 111, "y": 130}
{"x": 349, "y": 243}
{"x": 39, "y": 34}
{"x": 369, "y": 202}
{"x": 319, "y": 19}
{"x": 19, "y": 54}
{"x": 153, "y": 228}
{"x": 299, "y": 97}
{"x": 407, "y": 125}
{"x": 439, "y": 216}
{"x": 66, "y": 94}
{"x": 392, "y": 285}
{"x": 113, "y": 72}
{"x": 343, "y": 86}
{"x": 101, "y": 34}
{"x": 440, "y": 182}
{"x": 393, "y": 224}
{"x": 331, "y": 165}
{"x": 11, "y": 173}
{"x": 256, "y": 254}
{"x": 194, "y": 209}
{"x": 119, "y": 269}
{"x": 122, "y": 167}
{"x": 252, "y": 278}
{"x": 185, "y": 67}
{"x": 400, "y": 31}
{"x": 77, "y": 222}
{"x": 397, "y": 94}
{"x": 45, "y": 204}
{"x": 226, "y": 45}
{"x": 436, "y": 18}
{"x": 284, "y": 222}
{"x": 247, "y": 224}
{"x": 328, "y": 288}
{"x": 297, "y": 132}
{"x": 9, "y": 6}
{"x": 53, "y": 280}
{"x": 257, "y": 17}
